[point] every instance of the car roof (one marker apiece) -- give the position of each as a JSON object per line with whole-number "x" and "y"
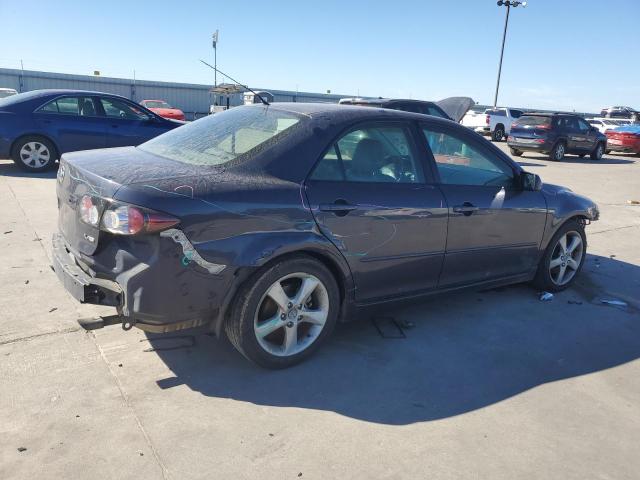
{"x": 382, "y": 101}
{"x": 63, "y": 91}
{"x": 348, "y": 112}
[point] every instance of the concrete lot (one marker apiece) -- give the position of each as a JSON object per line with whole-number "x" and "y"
{"x": 486, "y": 385}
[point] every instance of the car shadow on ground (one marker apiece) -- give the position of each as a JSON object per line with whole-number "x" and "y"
{"x": 606, "y": 160}
{"x": 10, "y": 169}
{"x": 465, "y": 352}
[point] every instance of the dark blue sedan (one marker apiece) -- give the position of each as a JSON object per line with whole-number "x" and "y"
{"x": 38, "y": 126}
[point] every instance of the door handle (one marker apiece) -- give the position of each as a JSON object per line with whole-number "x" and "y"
{"x": 339, "y": 207}
{"x": 467, "y": 208}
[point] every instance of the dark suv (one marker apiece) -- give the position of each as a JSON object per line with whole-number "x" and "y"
{"x": 556, "y": 134}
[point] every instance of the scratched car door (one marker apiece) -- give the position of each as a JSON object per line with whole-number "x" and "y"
{"x": 369, "y": 197}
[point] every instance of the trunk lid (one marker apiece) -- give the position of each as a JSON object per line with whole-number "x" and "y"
{"x": 100, "y": 174}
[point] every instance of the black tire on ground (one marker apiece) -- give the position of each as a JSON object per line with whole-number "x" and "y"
{"x": 46, "y": 153}
{"x": 498, "y": 134}
{"x": 557, "y": 152}
{"x": 240, "y": 324}
{"x": 597, "y": 152}
{"x": 543, "y": 280}
{"x": 515, "y": 152}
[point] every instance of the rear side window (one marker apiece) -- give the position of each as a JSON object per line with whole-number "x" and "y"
{"x": 233, "y": 135}
{"x": 516, "y": 113}
{"x": 80, "y": 106}
{"x": 497, "y": 113}
{"x": 376, "y": 154}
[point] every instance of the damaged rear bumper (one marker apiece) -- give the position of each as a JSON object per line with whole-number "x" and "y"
{"x": 167, "y": 287}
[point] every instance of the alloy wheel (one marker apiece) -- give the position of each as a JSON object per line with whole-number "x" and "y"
{"x": 35, "y": 154}
{"x": 560, "y": 151}
{"x": 291, "y": 314}
{"x": 566, "y": 258}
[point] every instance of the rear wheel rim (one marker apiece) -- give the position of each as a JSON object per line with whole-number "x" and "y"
{"x": 291, "y": 314}
{"x": 599, "y": 152}
{"x": 35, "y": 154}
{"x": 559, "y": 151}
{"x": 566, "y": 258}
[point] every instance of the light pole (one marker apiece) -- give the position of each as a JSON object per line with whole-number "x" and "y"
{"x": 214, "y": 43}
{"x": 508, "y": 4}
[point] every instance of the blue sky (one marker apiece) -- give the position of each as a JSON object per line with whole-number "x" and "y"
{"x": 567, "y": 54}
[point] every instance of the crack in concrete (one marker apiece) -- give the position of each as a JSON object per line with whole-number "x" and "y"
{"x": 614, "y": 229}
{"x": 38, "y": 335}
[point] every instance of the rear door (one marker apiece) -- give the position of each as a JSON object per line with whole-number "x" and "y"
{"x": 74, "y": 122}
{"x": 128, "y": 124}
{"x": 369, "y": 197}
{"x": 588, "y": 135}
{"x": 495, "y": 228}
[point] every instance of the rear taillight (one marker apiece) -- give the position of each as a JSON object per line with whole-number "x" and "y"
{"x": 543, "y": 127}
{"x": 122, "y": 219}
{"x": 88, "y": 211}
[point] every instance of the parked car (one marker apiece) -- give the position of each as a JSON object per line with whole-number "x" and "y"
{"x": 7, "y": 92}
{"x": 556, "y": 134}
{"x": 452, "y": 108}
{"x": 495, "y": 122}
{"x": 38, "y": 126}
{"x": 619, "y": 112}
{"x": 272, "y": 223}
{"x": 163, "y": 109}
{"x": 604, "y": 124}
{"x": 624, "y": 139}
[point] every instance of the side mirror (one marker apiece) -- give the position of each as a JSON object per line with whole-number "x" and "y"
{"x": 530, "y": 182}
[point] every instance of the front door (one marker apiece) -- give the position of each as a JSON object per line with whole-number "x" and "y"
{"x": 369, "y": 197}
{"x": 128, "y": 125}
{"x": 495, "y": 227}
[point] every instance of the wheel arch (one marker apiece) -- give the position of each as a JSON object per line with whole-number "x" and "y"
{"x": 339, "y": 271}
{"x": 36, "y": 134}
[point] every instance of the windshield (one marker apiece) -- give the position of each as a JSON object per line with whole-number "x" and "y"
{"x": 218, "y": 139}
{"x": 533, "y": 120}
{"x": 156, "y": 104}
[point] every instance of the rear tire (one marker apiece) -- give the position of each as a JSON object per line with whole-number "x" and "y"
{"x": 597, "y": 152}
{"x": 515, "y": 152}
{"x": 563, "y": 259}
{"x": 498, "y": 134}
{"x": 267, "y": 324}
{"x": 34, "y": 154}
{"x": 557, "y": 152}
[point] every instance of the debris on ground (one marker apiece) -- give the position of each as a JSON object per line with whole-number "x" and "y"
{"x": 53, "y": 309}
{"x": 26, "y": 282}
{"x": 546, "y": 296}
{"x": 633, "y": 202}
{"x": 22, "y": 449}
{"x": 613, "y": 302}
{"x": 8, "y": 231}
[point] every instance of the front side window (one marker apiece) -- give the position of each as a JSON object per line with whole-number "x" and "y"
{"x": 115, "y": 108}
{"x": 377, "y": 154}
{"x": 461, "y": 162}
{"x": 582, "y": 125}
{"x": 233, "y": 135}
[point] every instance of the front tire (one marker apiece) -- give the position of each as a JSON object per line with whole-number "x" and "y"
{"x": 563, "y": 258}
{"x": 34, "y": 154}
{"x": 597, "y": 152}
{"x": 557, "y": 152}
{"x": 284, "y": 312}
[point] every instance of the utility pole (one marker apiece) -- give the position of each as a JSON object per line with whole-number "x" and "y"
{"x": 508, "y": 4}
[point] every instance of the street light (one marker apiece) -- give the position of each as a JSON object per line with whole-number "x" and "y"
{"x": 508, "y": 4}
{"x": 214, "y": 43}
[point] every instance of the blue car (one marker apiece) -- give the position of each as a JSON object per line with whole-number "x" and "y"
{"x": 37, "y": 127}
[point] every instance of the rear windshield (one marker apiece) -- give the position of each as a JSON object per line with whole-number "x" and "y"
{"x": 13, "y": 99}
{"x": 221, "y": 138}
{"x": 533, "y": 120}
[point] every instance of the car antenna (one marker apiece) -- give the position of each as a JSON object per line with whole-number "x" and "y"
{"x": 243, "y": 86}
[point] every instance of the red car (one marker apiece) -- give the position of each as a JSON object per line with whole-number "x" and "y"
{"x": 624, "y": 139}
{"x": 163, "y": 109}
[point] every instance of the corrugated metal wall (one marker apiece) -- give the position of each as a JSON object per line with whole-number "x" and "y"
{"x": 193, "y": 99}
